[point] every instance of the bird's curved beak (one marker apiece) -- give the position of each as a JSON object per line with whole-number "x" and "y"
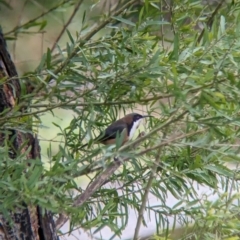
{"x": 145, "y": 116}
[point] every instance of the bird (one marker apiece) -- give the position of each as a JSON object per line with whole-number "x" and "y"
{"x": 124, "y": 127}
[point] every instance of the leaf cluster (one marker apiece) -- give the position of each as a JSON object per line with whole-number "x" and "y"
{"x": 184, "y": 70}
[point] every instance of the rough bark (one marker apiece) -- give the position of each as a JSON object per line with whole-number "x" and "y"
{"x": 27, "y": 222}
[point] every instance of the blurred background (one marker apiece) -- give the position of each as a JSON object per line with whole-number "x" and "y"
{"x": 27, "y": 49}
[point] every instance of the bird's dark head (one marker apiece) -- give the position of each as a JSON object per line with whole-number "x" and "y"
{"x": 135, "y": 117}
{"x": 133, "y": 121}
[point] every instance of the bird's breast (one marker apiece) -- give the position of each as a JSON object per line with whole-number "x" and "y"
{"x": 134, "y": 128}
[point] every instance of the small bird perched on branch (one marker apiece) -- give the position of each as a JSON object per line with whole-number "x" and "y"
{"x": 123, "y": 129}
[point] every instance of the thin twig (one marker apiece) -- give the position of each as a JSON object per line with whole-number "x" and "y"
{"x": 170, "y": 7}
{"x": 143, "y": 205}
{"x": 87, "y": 37}
{"x": 3, "y": 119}
{"x": 67, "y": 24}
{"x": 105, "y": 103}
{"x": 161, "y": 19}
{"x": 90, "y": 169}
{"x": 36, "y": 18}
{"x": 171, "y": 140}
{"x": 109, "y": 103}
{"x": 145, "y": 196}
{"x": 18, "y": 23}
{"x": 97, "y": 183}
{"x": 210, "y": 20}
{"x": 100, "y": 180}
{"x": 91, "y": 189}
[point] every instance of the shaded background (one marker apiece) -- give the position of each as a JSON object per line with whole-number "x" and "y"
{"x": 27, "y": 52}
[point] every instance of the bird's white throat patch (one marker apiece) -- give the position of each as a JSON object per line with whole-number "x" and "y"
{"x": 134, "y": 128}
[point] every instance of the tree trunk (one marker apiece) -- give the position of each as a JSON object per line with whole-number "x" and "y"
{"x": 26, "y": 222}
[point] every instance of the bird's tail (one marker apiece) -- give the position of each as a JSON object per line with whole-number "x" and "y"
{"x": 98, "y": 139}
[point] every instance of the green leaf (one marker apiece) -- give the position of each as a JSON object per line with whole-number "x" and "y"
{"x": 221, "y": 170}
{"x": 126, "y": 21}
{"x": 70, "y": 36}
{"x": 35, "y": 175}
{"x": 49, "y": 58}
{"x": 150, "y": 23}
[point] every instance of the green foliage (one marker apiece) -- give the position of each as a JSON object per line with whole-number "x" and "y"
{"x": 184, "y": 70}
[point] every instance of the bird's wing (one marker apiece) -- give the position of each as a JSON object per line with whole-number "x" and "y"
{"x": 109, "y": 134}
{"x": 112, "y": 131}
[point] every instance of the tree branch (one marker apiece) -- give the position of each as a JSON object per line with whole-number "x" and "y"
{"x": 97, "y": 183}
{"x": 36, "y": 18}
{"x": 67, "y": 23}
{"x": 106, "y": 103}
{"x": 100, "y": 180}
{"x": 83, "y": 40}
{"x": 147, "y": 190}
{"x": 145, "y": 196}
{"x": 210, "y": 20}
